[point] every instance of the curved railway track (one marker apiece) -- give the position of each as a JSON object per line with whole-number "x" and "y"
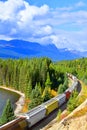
{"x": 41, "y": 124}
{"x": 44, "y": 113}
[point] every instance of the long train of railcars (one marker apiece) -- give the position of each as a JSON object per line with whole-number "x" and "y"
{"x": 43, "y": 110}
{"x": 16, "y": 124}
{"x": 40, "y": 112}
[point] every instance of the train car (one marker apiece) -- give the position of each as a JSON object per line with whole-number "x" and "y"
{"x": 74, "y": 86}
{"x": 50, "y": 105}
{"x": 38, "y": 113}
{"x": 61, "y": 99}
{"x": 35, "y": 115}
{"x": 74, "y": 78}
{"x": 68, "y": 93}
{"x": 16, "y": 124}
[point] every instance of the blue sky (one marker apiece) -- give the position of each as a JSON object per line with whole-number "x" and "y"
{"x": 59, "y": 22}
{"x": 54, "y": 3}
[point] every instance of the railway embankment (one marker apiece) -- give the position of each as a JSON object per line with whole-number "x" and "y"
{"x": 77, "y": 120}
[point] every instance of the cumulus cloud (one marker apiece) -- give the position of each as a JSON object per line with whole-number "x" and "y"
{"x": 17, "y": 16}
{"x": 9, "y": 9}
{"x": 65, "y": 27}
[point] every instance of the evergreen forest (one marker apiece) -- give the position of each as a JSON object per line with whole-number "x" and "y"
{"x": 36, "y": 77}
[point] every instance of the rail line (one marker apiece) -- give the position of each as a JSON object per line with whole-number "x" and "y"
{"x": 43, "y": 111}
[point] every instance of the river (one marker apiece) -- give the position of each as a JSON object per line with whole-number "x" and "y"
{"x": 5, "y": 95}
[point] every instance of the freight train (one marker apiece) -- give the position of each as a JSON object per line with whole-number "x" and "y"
{"x": 40, "y": 112}
{"x": 43, "y": 110}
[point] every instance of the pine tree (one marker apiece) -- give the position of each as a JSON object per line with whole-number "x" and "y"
{"x": 36, "y": 97}
{"x": 47, "y": 94}
{"x": 60, "y": 89}
{"x": 72, "y": 103}
{"x": 8, "y": 113}
{"x": 48, "y": 82}
{"x": 28, "y": 90}
{"x": 63, "y": 87}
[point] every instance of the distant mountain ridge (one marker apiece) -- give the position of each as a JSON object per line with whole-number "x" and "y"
{"x": 24, "y": 49}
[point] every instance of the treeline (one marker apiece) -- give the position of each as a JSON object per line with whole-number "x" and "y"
{"x": 77, "y": 67}
{"x": 37, "y": 76}
{"x": 25, "y": 74}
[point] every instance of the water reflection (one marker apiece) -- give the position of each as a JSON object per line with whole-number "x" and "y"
{"x": 6, "y": 94}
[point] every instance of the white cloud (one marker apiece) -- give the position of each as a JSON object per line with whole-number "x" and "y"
{"x": 32, "y": 11}
{"x": 80, "y": 4}
{"x": 17, "y": 16}
{"x": 64, "y": 27}
{"x": 9, "y": 9}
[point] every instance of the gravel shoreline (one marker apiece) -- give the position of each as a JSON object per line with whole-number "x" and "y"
{"x": 20, "y": 102}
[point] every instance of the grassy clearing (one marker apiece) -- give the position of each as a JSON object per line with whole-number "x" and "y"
{"x": 80, "y": 112}
{"x": 83, "y": 94}
{"x": 81, "y": 98}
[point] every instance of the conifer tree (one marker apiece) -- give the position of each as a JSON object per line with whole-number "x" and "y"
{"x": 47, "y": 94}
{"x": 36, "y": 97}
{"x": 28, "y": 90}
{"x": 8, "y": 113}
{"x": 63, "y": 87}
{"x": 60, "y": 89}
{"x": 48, "y": 82}
{"x": 72, "y": 103}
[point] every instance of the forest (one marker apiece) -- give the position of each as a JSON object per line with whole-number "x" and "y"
{"x": 37, "y": 77}
{"x": 77, "y": 67}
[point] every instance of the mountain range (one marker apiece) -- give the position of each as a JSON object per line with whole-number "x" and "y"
{"x": 24, "y": 49}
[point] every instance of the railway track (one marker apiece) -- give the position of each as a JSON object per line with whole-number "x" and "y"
{"x": 46, "y": 111}
{"x": 41, "y": 124}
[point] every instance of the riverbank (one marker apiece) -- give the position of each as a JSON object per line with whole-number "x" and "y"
{"x": 21, "y": 101}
